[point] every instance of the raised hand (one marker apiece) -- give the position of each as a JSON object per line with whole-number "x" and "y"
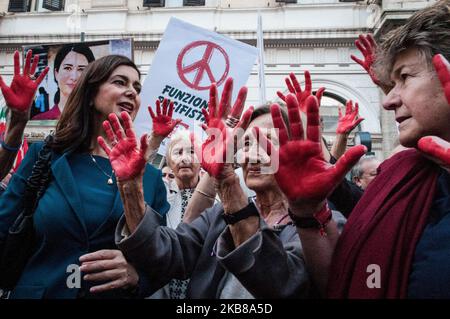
{"x": 126, "y": 156}
{"x": 295, "y": 88}
{"x": 221, "y": 114}
{"x": 367, "y": 46}
{"x": 303, "y": 174}
{"x": 19, "y": 96}
{"x": 350, "y": 120}
{"x": 163, "y": 124}
{"x": 436, "y": 148}
{"x": 443, "y": 70}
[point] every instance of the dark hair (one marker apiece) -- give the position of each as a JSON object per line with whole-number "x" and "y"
{"x": 61, "y": 55}
{"x": 265, "y": 109}
{"x": 427, "y": 30}
{"x": 78, "y": 121}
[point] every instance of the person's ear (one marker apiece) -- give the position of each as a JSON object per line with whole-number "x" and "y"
{"x": 357, "y": 181}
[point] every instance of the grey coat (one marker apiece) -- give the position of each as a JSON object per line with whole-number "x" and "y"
{"x": 270, "y": 264}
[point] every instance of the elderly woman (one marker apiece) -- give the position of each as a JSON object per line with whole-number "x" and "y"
{"x": 395, "y": 244}
{"x": 237, "y": 249}
{"x": 186, "y": 169}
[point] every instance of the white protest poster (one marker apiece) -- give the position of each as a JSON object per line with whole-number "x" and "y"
{"x": 186, "y": 62}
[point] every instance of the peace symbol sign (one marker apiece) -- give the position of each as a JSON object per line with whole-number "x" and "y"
{"x": 202, "y": 66}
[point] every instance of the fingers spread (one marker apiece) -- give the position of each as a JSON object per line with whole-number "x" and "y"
{"x": 313, "y": 119}
{"x": 279, "y": 123}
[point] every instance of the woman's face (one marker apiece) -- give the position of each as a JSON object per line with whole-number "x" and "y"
{"x": 417, "y": 99}
{"x": 119, "y": 93}
{"x": 183, "y": 161}
{"x": 255, "y": 161}
{"x": 69, "y": 72}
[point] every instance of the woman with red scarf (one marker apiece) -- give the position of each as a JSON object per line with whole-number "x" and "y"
{"x": 396, "y": 241}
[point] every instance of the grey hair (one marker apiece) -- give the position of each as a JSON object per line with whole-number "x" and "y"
{"x": 357, "y": 169}
{"x": 427, "y": 30}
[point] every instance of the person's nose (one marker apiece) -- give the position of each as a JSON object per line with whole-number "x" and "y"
{"x": 392, "y": 100}
{"x": 74, "y": 75}
{"x": 253, "y": 154}
{"x": 131, "y": 92}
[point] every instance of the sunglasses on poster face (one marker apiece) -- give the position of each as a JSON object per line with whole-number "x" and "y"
{"x": 170, "y": 175}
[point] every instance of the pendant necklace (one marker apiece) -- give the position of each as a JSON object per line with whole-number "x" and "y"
{"x": 110, "y": 180}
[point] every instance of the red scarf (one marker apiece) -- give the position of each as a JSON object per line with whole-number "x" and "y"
{"x": 384, "y": 228}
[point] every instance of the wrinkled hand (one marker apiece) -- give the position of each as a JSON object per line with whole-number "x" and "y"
{"x": 295, "y": 88}
{"x": 218, "y": 113}
{"x": 350, "y": 120}
{"x": 126, "y": 157}
{"x": 218, "y": 149}
{"x": 19, "y": 96}
{"x": 443, "y": 70}
{"x": 163, "y": 124}
{"x": 367, "y": 46}
{"x": 110, "y": 267}
{"x": 303, "y": 174}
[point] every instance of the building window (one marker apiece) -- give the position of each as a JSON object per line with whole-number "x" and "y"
{"x": 19, "y": 5}
{"x": 35, "y": 5}
{"x": 153, "y": 3}
{"x": 193, "y": 2}
{"x": 53, "y": 5}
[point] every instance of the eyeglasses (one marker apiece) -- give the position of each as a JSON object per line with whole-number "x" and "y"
{"x": 168, "y": 174}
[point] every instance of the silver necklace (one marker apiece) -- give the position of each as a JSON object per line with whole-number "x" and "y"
{"x": 110, "y": 180}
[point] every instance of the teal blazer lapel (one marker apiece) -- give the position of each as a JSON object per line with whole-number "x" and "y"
{"x": 62, "y": 174}
{"x": 114, "y": 214}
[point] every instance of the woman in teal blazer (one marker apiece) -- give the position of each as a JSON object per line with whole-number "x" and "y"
{"x": 81, "y": 206}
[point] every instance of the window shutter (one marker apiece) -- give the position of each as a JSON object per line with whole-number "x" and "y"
{"x": 193, "y": 2}
{"x": 54, "y": 5}
{"x": 18, "y": 6}
{"x": 154, "y": 3}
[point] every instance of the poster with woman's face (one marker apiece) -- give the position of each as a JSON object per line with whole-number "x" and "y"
{"x": 67, "y": 62}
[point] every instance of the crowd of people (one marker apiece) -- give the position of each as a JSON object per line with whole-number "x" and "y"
{"x": 190, "y": 230}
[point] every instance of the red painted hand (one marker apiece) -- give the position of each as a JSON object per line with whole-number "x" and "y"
{"x": 443, "y": 70}
{"x": 367, "y": 46}
{"x": 350, "y": 120}
{"x": 303, "y": 174}
{"x": 219, "y": 148}
{"x": 19, "y": 96}
{"x": 216, "y": 116}
{"x": 126, "y": 157}
{"x": 295, "y": 88}
{"x": 163, "y": 124}
{"x": 436, "y": 148}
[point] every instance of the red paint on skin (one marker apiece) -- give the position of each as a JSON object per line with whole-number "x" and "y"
{"x": 126, "y": 157}
{"x": 434, "y": 146}
{"x": 443, "y": 70}
{"x": 350, "y": 120}
{"x": 303, "y": 173}
{"x": 213, "y": 151}
{"x": 294, "y": 87}
{"x": 367, "y": 46}
{"x": 19, "y": 96}
{"x": 163, "y": 124}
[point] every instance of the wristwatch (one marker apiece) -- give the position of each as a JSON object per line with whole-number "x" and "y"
{"x": 247, "y": 211}
{"x": 318, "y": 221}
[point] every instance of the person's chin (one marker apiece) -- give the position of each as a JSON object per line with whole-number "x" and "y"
{"x": 408, "y": 139}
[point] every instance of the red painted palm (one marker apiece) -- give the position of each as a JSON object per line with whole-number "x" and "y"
{"x": 303, "y": 174}
{"x": 19, "y": 96}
